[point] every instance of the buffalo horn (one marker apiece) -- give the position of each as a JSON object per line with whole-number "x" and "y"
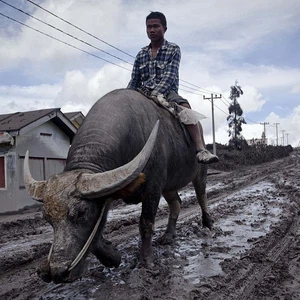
{"x": 102, "y": 184}
{"x": 35, "y": 189}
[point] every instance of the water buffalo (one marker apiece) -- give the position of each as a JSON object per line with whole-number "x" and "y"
{"x": 120, "y": 151}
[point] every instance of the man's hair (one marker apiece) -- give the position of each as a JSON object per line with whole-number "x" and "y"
{"x": 157, "y": 15}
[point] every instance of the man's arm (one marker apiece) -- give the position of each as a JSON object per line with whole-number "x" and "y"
{"x": 170, "y": 74}
{"x": 135, "y": 75}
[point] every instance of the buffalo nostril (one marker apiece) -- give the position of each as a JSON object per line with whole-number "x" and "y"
{"x": 59, "y": 275}
{"x": 44, "y": 271}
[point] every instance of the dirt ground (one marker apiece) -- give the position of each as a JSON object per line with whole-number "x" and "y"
{"x": 252, "y": 252}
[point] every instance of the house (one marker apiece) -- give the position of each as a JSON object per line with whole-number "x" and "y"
{"x": 76, "y": 118}
{"x": 47, "y": 134}
{"x": 255, "y": 142}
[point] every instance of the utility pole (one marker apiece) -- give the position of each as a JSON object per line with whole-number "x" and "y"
{"x": 282, "y": 137}
{"x": 276, "y": 125}
{"x": 287, "y": 139}
{"x": 264, "y": 138}
{"x": 211, "y": 98}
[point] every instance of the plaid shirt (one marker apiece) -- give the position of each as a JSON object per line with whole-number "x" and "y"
{"x": 157, "y": 75}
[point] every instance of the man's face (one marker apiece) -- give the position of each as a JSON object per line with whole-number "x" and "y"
{"x": 155, "y": 30}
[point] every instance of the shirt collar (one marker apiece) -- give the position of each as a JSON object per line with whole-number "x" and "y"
{"x": 163, "y": 46}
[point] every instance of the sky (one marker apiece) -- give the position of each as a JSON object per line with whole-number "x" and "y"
{"x": 254, "y": 43}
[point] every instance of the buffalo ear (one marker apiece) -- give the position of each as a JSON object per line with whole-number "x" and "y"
{"x": 130, "y": 188}
{"x": 35, "y": 189}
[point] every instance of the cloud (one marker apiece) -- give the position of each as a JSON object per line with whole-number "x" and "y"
{"x": 121, "y": 23}
{"x": 296, "y": 89}
{"x": 215, "y": 38}
{"x": 99, "y": 19}
{"x": 20, "y": 98}
{"x": 84, "y": 89}
{"x": 288, "y": 127}
{"x": 252, "y": 100}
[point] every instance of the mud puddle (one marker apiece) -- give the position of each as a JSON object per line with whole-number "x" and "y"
{"x": 247, "y": 216}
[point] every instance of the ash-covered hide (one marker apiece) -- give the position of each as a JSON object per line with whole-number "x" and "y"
{"x": 120, "y": 151}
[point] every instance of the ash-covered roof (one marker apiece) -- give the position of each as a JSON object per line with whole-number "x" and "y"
{"x": 19, "y": 120}
{"x": 23, "y": 121}
{"x": 73, "y": 114}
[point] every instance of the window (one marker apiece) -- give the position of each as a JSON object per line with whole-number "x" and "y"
{"x": 36, "y": 165}
{"x": 41, "y": 168}
{"x": 2, "y": 172}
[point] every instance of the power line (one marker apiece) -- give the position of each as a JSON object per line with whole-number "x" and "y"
{"x": 251, "y": 121}
{"x": 70, "y": 45}
{"x": 53, "y": 14}
{"x": 226, "y": 100}
{"x": 62, "y": 19}
{"x": 199, "y": 87}
{"x": 75, "y": 47}
{"x": 224, "y": 103}
{"x": 66, "y": 33}
{"x": 96, "y": 56}
{"x": 191, "y": 92}
{"x": 226, "y": 113}
{"x": 205, "y": 99}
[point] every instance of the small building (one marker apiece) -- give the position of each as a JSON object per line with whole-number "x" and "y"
{"x": 256, "y": 142}
{"x": 76, "y": 118}
{"x": 47, "y": 134}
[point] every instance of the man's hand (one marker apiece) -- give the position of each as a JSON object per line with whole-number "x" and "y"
{"x": 161, "y": 99}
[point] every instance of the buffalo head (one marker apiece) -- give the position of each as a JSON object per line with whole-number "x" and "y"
{"x": 75, "y": 204}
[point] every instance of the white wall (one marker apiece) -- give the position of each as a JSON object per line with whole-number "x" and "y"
{"x": 54, "y": 145}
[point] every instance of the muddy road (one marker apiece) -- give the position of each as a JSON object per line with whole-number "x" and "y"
{"x": 252, "y": 252}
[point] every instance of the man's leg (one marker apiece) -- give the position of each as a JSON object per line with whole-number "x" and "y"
{"x": 196, "y": 133}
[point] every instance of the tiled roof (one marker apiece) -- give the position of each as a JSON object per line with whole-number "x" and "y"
{"x": 2, "y": 117}
{"x": 70, "y": 115}
{"x": 18, "y": 120}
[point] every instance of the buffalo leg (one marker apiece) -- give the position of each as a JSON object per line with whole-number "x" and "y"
{"x": 106, "y": 253}
{"x": 174, "y": 202}
{"x": 149, "y": 209}
{"x": 199, "y": 183}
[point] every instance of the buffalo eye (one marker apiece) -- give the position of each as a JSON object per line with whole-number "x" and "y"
{"x": 47, "y": 217}
{"x": 77, "y": 213}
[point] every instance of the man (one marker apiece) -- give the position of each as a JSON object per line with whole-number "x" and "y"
{"x": 156, "y": 74}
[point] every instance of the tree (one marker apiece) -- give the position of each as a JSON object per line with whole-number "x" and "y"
{"x": 235, "y": 118}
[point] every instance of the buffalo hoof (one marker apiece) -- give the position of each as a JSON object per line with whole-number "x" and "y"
{"x": 146, "y": 260}
{"x": 166, "y": 239}
{"x": 207, "y": 220}
{"x": 107, "y": 254}
{"x": 146, "y": 263}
